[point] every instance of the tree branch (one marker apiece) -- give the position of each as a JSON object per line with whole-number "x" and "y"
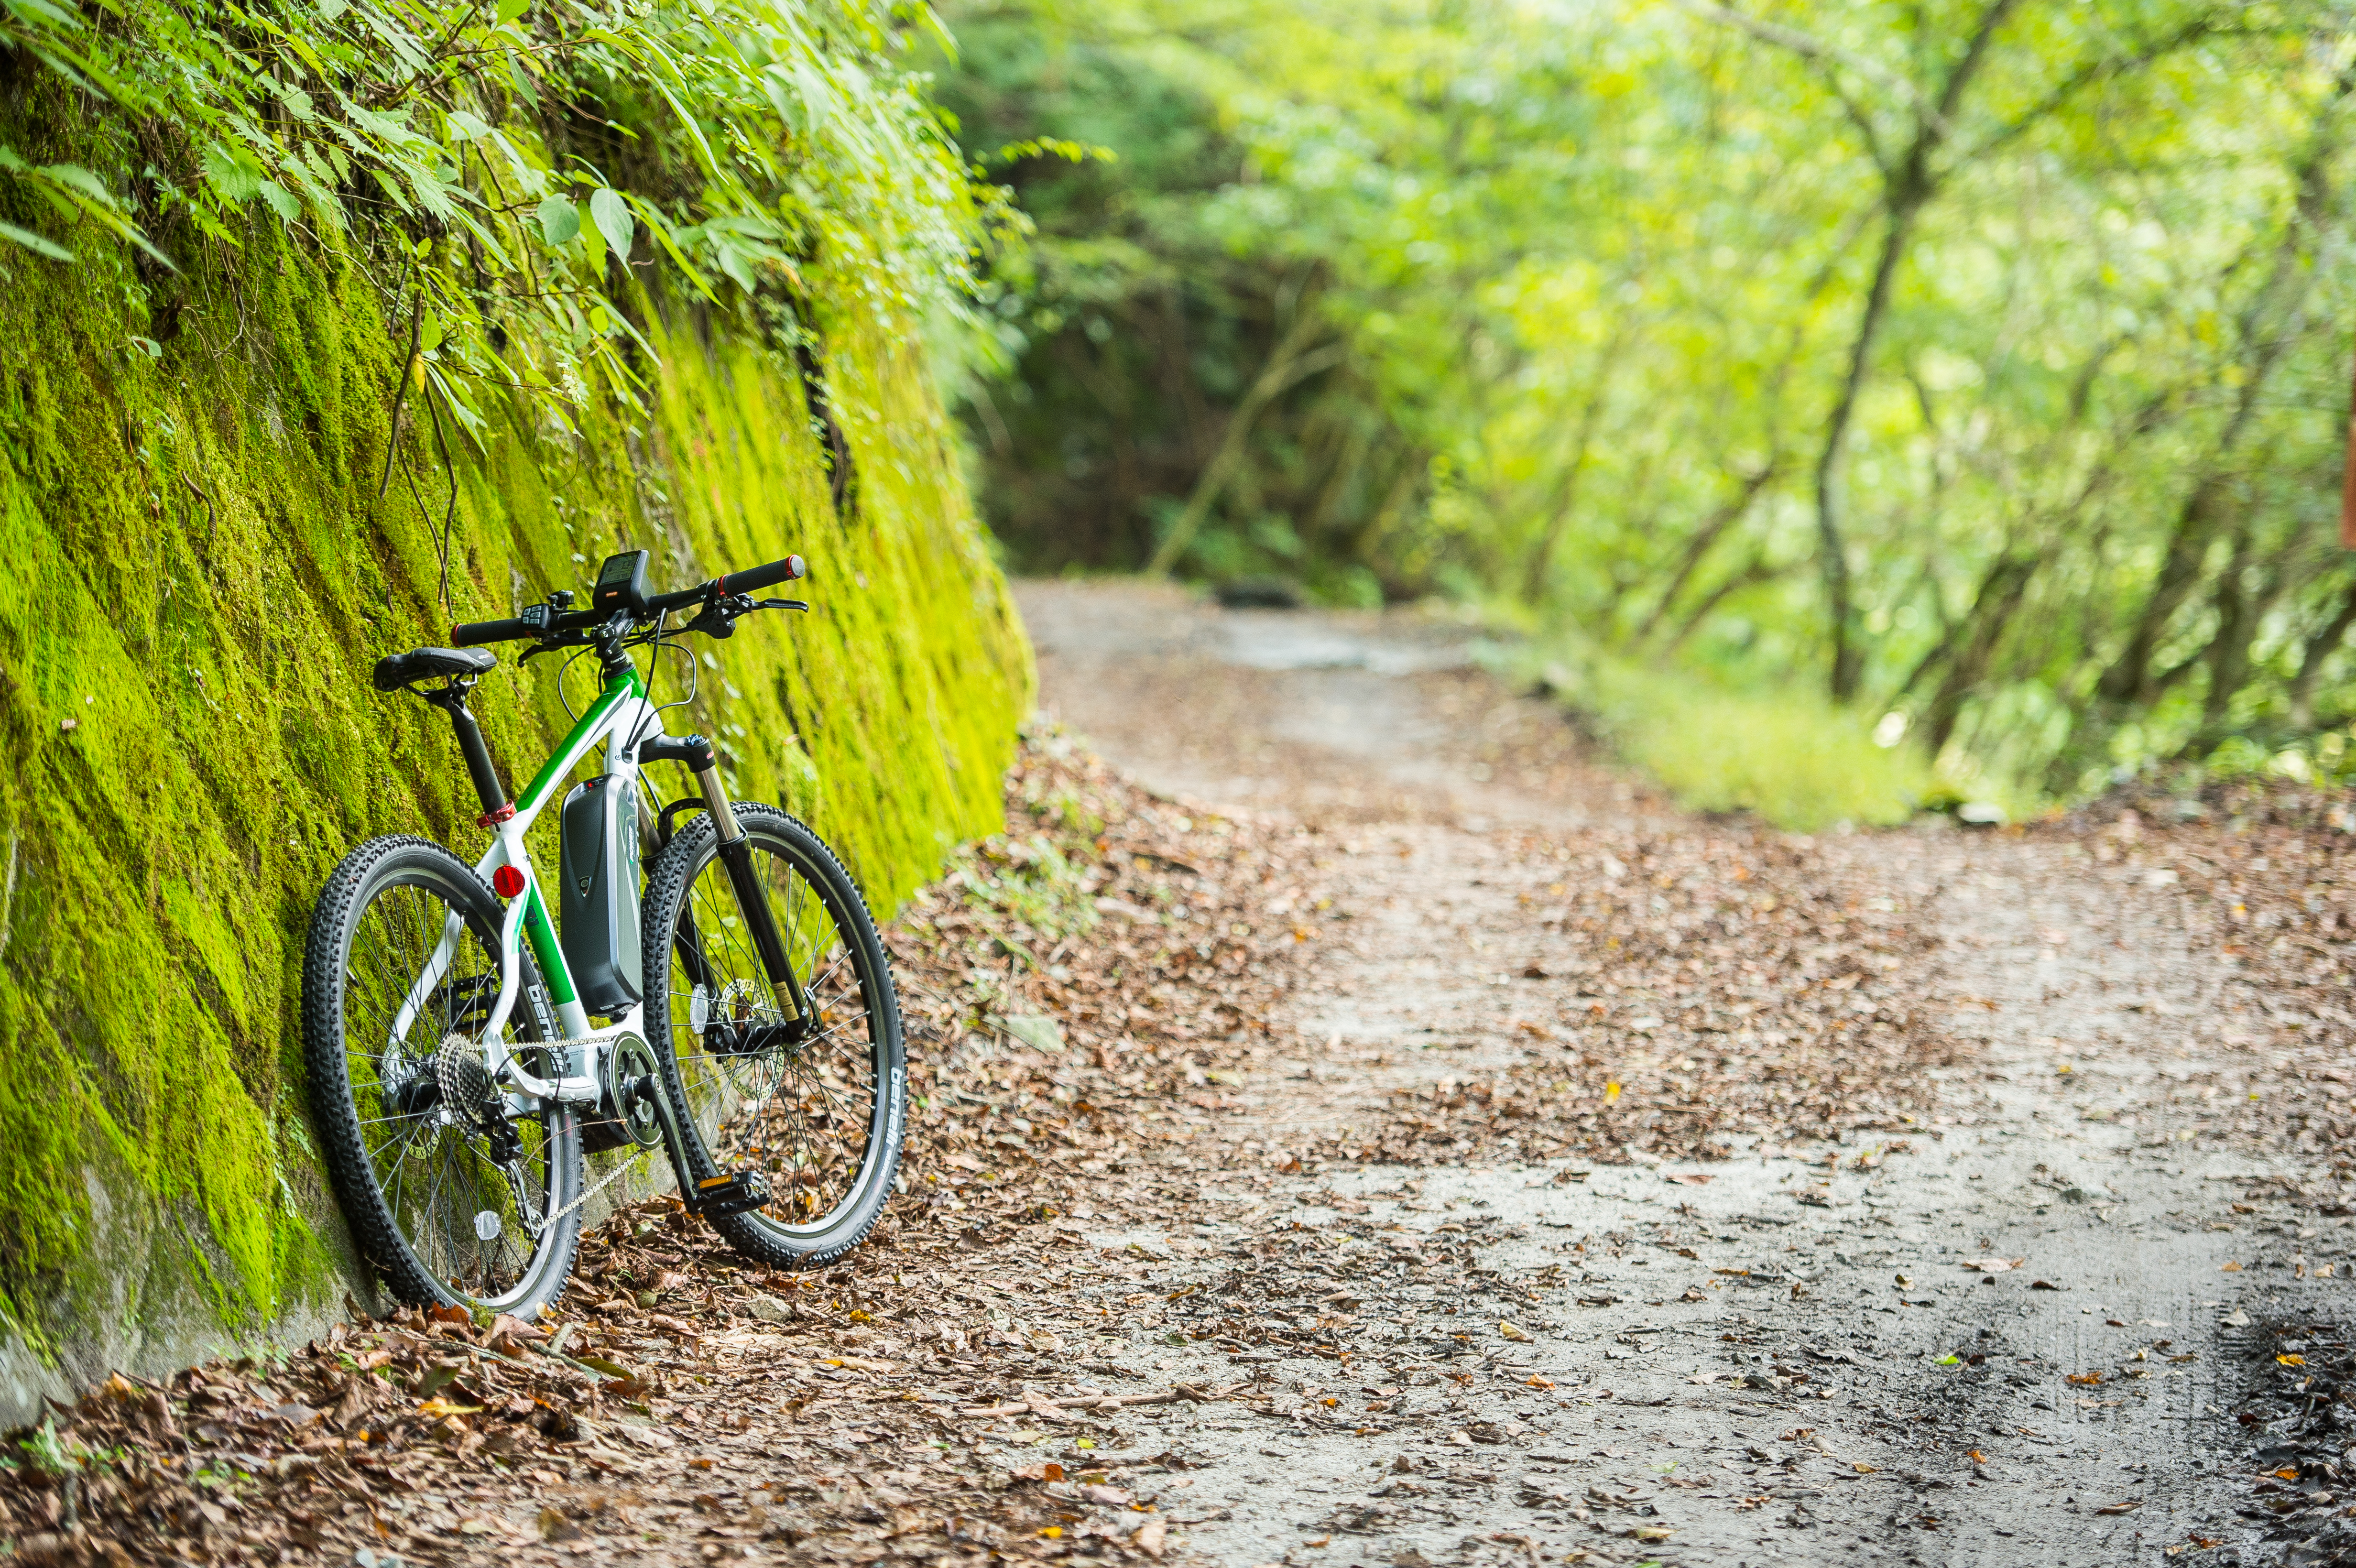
{"x": 1807, "y": 46}
{"x": 2110, "y": 68}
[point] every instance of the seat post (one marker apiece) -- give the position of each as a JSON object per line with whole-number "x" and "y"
{"x": 452, "y": 700}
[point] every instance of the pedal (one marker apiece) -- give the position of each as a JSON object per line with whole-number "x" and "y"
{"x": 721, "y": 1196}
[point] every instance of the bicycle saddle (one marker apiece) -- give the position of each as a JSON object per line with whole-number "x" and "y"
{"x": 396, "y": 670}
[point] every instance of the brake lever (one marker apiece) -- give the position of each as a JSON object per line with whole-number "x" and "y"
{"x": 573, "y": 640}
{"x": 801, "y": 604}
{"x": 717, "y": 620}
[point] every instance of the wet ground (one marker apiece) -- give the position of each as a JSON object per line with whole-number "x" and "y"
{"x": 2014, "y": 1331}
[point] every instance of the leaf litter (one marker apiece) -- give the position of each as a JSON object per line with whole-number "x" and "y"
{"x": 681, "y": 1404}
{"x": 1723, "y": 986}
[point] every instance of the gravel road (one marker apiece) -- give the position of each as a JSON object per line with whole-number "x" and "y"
{"x": 2016, "y": 1327}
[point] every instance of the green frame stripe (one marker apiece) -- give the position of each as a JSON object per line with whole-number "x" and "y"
{"x": 538, "y": 929}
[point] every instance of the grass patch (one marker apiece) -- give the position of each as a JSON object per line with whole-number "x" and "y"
{"x": 1788, "y": 756}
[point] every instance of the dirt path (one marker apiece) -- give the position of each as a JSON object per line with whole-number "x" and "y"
{"x": 1763, "y": 1360}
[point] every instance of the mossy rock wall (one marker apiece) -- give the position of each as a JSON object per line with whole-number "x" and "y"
{"x": 196, "y": 573}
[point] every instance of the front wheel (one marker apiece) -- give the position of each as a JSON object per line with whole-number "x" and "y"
{"x": 459, "y": 1197}
{"x": 820, "y": 1115}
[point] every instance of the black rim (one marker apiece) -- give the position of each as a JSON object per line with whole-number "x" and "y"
{"x": 807, "y": 1114}
{"x": 446, "y": 1170}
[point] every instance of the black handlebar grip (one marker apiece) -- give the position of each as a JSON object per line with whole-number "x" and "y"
{"x": 473, "y": 632}
{"x": 754, "y": 579}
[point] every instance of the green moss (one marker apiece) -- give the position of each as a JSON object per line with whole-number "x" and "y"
{"x": 198, "y": 573}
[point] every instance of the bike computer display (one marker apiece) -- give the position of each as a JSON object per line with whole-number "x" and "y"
{"x": 621, "y": 584}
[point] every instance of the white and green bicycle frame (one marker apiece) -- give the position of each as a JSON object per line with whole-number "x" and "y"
{"x": 623, "y": 719}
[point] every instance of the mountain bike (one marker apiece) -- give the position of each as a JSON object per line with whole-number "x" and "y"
{"x": 459, "y": 1076}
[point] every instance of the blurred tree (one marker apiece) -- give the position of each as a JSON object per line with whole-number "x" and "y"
{"x": 1987, "y": 357}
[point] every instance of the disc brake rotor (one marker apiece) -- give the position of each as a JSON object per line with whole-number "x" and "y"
{"x": 737, "y": 1019}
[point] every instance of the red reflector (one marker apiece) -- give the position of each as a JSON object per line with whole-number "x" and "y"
{"x": 507, "y": 881}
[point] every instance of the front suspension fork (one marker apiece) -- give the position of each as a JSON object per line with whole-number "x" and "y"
{"x": 752, "y": 900}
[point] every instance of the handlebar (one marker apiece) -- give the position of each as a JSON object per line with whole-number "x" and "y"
{"x": 549, "y": 624}
{"x": 760, "y": 577}
{"x": 467, "y": 634}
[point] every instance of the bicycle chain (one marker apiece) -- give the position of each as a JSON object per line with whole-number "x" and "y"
{"x": 622, "y": 1170}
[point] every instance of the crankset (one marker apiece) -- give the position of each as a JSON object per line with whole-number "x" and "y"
{"x": 643, "y": 1112}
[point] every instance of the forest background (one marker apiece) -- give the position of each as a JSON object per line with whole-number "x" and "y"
{"x": 1861, "y": 403}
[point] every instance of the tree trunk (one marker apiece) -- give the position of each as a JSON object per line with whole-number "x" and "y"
{"x": 2318, "y": 648}
{"x": 1540, "y": 565}
{"x": 2228, "y": 653}
{"x": 1289, "y": 363}
{"x": 2265, "y": 336}
{"x": 1758, "y": 571}
{"x": 1906, "y": 189}
{"x": 1698, "y": 547}
{"x": 1993, "y": 607}
{"x": 1832, "y": 549}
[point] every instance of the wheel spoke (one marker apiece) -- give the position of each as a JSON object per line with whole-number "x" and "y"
{"x": 433, "y": 1176}
{"x": 805, "y": 1111}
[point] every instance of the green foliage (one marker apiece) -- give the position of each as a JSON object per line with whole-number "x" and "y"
{"x": 1981, "y": 361}
{"x": 206, "y": 558}
{"x": 1793, "y": 759}
{"x": 1134, "y": 327}
{"x": 506, "y": 176}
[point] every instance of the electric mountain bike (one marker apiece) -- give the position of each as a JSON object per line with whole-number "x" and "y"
{"x": 458, "y": 1080}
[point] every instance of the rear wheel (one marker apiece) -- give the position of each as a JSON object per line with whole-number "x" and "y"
{"x": 821, "y": 1117}
{"x": 459, "y": 1195}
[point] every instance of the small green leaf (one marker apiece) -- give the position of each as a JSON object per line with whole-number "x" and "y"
{"x": 34, "y": 243}
{"x": 232, "y": 171}
{"x": 434, "y": 1378}
{"x": 281, "y": 201}
{"x": 148, "y": 346}
{"x": 732, "y": 262}
{"x": 79, "y": 178}
{"x": 467, "y": 127}
{"x": 559, "y": 221}
{"x": 1951, "y": 1361}
{"x": 613, "y": 220}
{"x": 511, "y": 9}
